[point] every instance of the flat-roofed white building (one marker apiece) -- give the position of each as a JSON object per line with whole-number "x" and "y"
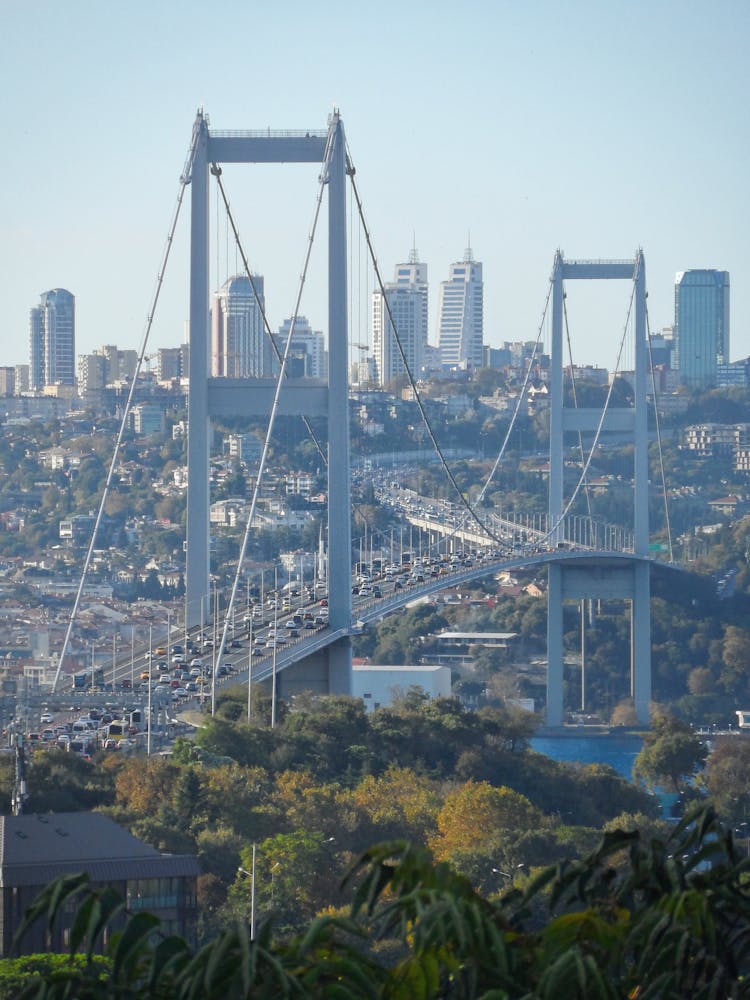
{"x": 380, "y": 685}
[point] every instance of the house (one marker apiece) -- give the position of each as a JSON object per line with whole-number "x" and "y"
{"x": 35, "y": 849}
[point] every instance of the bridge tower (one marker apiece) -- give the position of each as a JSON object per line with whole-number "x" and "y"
{"x": 213, "y": 397}
{"x": 600, "y": 575}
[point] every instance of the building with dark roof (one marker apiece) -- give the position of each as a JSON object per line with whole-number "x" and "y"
{"x": 37, "y": 848}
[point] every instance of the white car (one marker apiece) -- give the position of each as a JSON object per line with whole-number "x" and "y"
{"x": 46, "y": 718}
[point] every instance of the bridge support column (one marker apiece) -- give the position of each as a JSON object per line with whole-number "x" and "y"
{"x": 197, "y": 586}
{"x": 642, "y": 642}
{"x": 554, "y": 646}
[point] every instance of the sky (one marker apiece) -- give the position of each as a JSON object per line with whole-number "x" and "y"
{"x": 522, "y": 127}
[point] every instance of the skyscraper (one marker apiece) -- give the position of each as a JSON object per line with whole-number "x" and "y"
{"x": 701, "y": 317}
{"x": 52, "y": 339}
{"x": 307, "y": 345}
{"x": 461, "y": 314}
{"x": 239, "y": 344}
{"x": 407, "y": 297}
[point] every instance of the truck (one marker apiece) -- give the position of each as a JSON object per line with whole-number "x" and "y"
{"x": 83, "y": 681}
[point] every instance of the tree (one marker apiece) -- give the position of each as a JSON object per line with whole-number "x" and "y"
{"x": 671, "y": 755}
{"x": 474, "y": 814}
{"x": 635, "y": 918}
{"x": 726, "y": 779}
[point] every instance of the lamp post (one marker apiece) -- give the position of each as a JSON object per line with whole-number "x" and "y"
{"x": 251, "y": 875}
{"x": 150, "y": 669}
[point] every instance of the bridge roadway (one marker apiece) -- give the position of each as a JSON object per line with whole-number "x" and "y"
{"x": 366, "y": 611}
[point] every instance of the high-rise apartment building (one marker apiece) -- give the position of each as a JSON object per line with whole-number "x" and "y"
{"x": 169, "y": 363}
{"x": 407, "y": 298}
{"x": 52, "y": 339}
{"x": 92, "y": 372}
{"x": 239, "y": 344}
{"x": 307, "y": 345}
{"x": 461, "y": 314}
{"x": 701, "y": 331}
{"x": 7, "y": 381}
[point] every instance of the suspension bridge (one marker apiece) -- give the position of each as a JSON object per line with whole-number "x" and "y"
{"x": 584, "y": 558}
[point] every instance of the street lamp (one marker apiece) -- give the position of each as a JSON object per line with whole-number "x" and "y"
{"x": 251, "y": 876}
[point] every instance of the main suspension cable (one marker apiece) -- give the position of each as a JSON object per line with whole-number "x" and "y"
{"x": 658, "y": 437}
{"x": 575, "y": 397}
{"x": 417, "y": 397}
{"x": 185, "y": 178}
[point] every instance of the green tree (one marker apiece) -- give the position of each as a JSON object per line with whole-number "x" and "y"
{"x": 671, "y": 755}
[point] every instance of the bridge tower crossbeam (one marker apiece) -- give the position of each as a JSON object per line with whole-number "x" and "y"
{"x": 600, "y": 578}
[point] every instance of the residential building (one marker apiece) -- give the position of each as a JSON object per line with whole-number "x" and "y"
{"x": 169, "y": 363}
{"x": 23, "y": 376}
{"x": 92, "y": 372}
{"x": 461, "y": 315}
{"x": 716, "y": 439}
{"x": 35, "y": 849}
{"x": 307, "y": 345}
{"x": 52, "y": 339}
{"x": 148, "y": 419}
{"x": 7, "y": 381}
{"x": 701, "y": 315}
{"x": 406, "y": 298}
{"x": 239, "y": 344}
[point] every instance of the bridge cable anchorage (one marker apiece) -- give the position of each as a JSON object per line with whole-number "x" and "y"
{"x": 216, "y": 171}
{"x": 185, "y": 178}
{"x": 658, "y": 437}
{"x": 272, "y": 417}
{"x": 575, "y": 399}
{"x": 417, "y": 397}
{"x": 552, "y": 529}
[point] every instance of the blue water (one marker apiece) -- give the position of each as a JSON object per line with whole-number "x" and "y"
{"x": 617, "y": 751}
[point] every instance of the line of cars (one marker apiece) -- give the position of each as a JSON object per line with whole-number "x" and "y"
{"x": 85, "y": 734}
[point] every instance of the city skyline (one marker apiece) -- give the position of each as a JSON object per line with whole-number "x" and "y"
{"x": 533, "y": 127}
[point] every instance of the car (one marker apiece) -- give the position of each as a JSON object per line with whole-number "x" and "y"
{"x": 196, "y": 671}
{"x": 293, "y": 633}
{"x": 323, "y": 602}
{"x": 46, "y": 717}
{"x": 192, "y": 687}
{"x": 196, "y": 663}
{"x": 271, "y": 643}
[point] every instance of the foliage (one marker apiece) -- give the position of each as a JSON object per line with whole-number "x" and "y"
{"x": 648, "y": 918}
{"x": 30, "y": 971}
{"x": 671, "y": 754}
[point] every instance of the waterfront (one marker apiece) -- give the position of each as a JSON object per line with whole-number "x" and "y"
{"x": 619, "y": 752}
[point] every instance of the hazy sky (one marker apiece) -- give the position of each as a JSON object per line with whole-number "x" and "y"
{"x": 594, "y": 127}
